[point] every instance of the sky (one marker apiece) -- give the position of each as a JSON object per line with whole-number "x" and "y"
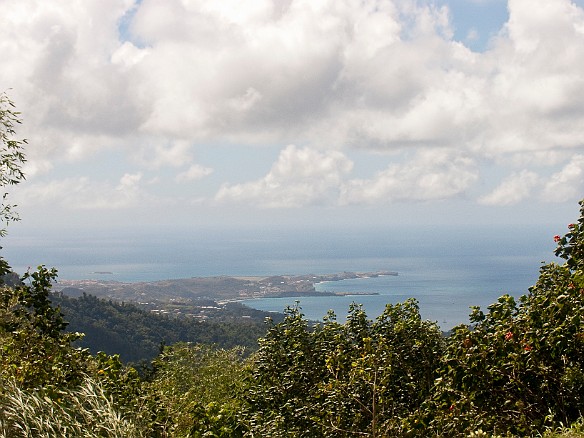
{"x": 192, "y": 113}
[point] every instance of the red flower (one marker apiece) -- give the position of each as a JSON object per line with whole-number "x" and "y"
{"x": 557, "y": 238}
{"x": 508, "y": 336}
{"x": 527, "y": 348}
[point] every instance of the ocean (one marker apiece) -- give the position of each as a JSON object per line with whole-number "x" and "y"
{"x": 447, "y": 269}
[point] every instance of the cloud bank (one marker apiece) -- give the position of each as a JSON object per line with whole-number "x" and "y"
{"x": 156, "y": 82}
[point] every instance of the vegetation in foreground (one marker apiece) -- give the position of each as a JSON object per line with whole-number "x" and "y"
{"x": 515, "y": 370}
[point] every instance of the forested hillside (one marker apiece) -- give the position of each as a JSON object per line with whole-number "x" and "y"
{"x": 137, "y": 335}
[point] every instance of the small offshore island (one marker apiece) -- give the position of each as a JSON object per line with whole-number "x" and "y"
{"x": 189, "y": 294}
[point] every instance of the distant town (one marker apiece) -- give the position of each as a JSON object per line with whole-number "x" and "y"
{"x": 203, "y": 297}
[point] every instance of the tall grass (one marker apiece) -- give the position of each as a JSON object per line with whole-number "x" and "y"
{"x": 86, "y": 412}
{"x": 576, "y": 430}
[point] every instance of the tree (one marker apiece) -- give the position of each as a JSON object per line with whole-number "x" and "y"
{"x": 286, "y": 372}
{"x": 360, "y": 378}
{"x": 35, "y": 351}
{"x": 380, "y": 371}
{"x": 11, "y": 161}
{"x": 518, "y": 368}
{"x": 201, "y": 387}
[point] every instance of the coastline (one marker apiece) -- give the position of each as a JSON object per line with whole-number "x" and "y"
{"x": 224, "y": 288}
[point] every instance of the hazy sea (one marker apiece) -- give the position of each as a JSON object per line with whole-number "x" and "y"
{"x": 448, "y": 269}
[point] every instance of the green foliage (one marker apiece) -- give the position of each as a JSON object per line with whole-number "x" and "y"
{"x": 136, "y": 335}
{"x": 134, "y": 398}
{"x": 11, "y": 161}
{"x": 201, "y": 387}
{"x": 11, "y": 154}
{"x": 40, "y": 368}
{"x": 361, "y": 377}
{"x": 287, "y": 369}
{"x": 380, "y": 372}
{"x": 519, "y": 368}
{"x": 576, "y": 430}
{"x": 86, "y": 411}
{"x": 34, "y": 350}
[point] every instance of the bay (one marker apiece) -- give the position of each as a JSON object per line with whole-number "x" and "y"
{"x": 446, "y": 268}
{"x": 444, "y": 289}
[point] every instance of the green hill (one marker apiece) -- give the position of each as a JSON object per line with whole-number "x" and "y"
{"x": 137, "y": 335}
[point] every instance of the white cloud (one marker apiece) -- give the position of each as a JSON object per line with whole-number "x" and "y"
{"x": 548, "y": 158}
{"x": 568, "y": 183}
{"x": 74, "y": 101}
{"x": 512, "y": 190}
{"x": 83, "y": 194}
{"x": 129, "y": 181}
{"x": 432, "y": 174}
{"x": 128, "y": 55}
{"x": 380, "y": 75}
{"x": 472, "y": 35}
{"x": 194, "y": 172}
{"x": 158, "y": 154}
{"x": 300, "y": 177}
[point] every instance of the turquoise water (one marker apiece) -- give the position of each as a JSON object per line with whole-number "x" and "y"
{"x": 445, "y": 289}
{"x": 446, "y": 269}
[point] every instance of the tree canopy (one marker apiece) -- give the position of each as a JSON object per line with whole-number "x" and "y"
{"x": 12, "y": 159}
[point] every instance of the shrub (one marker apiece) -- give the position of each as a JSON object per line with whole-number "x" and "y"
{"x": 35, "y": 351}
{"x": 361, "y": 377}
{"x": 519, "y": 368}
{"x": 200, "y": 387}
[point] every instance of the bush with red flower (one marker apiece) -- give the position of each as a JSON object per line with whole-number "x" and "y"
{"x": 519, "y": 367}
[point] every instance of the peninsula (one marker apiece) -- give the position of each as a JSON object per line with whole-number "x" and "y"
{"x": 220, "y": 288}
